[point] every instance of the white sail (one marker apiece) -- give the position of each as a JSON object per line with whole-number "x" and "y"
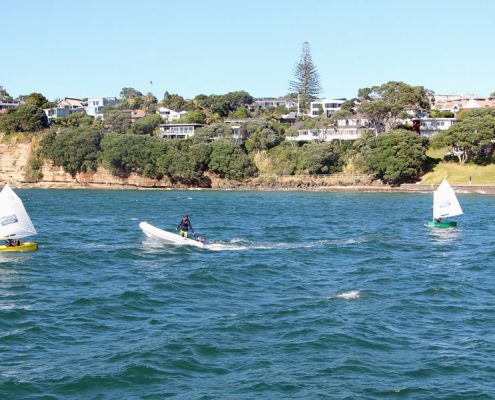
{"x": 14, "y": 220}
{"x": 445, "y": 203}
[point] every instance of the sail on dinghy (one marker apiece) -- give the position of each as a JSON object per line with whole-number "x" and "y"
{"x": 15, "y": 223}
{"x": 169, "y": 237}
{"x": 445, "y": 205}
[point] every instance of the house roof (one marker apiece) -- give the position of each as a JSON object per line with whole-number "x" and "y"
{"x": 71, "y": 102}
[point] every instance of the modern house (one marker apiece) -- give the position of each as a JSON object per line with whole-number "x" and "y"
{"x": 267, "y": 102}
{"x": 64, "y": 108}
{"x": 325, "y": 107}
{"x": 95, "y": 105}
{"x": 4, "y": 104}
{"x": 170, "y": 115}
{"x": 345, "y": 129}
{"x": 178, "y": 131}
{"x": 431, "y": 126}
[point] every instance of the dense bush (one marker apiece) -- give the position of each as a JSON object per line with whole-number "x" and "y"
{"x": 396, "y": 157}
{"x": 229, "y": 160}
{"x": 27, "y": 118}
{"x": 311, "y": 158}
{"x": 76, "y": 149}
{"x": 123, "y": 154}
{"x": 147, "y": 124}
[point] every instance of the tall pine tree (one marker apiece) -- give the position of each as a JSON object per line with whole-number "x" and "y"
{"x": 306, "y": 80}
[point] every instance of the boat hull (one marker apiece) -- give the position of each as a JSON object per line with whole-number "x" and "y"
{"x": 168, "y": 237}
{"x": 443, "y": 224}
{"x": 25, "y": 246}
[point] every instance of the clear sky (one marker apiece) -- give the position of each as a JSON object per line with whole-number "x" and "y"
{"x": 190, "y": 47}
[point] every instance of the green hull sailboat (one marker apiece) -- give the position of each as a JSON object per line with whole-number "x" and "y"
{"x": 445, "y": 205}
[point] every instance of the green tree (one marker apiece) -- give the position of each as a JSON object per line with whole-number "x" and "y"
{"x": 129, "y": 93}
{"x": 4, "y": 94}
{"x": 123, "y": 154}
{"x": 317, "y": 158}
{"x": 118, "y": 121}
{"x": 75, "y": 149}
{"x": 229, "y": 161}
{"x": 26, "y": 118}
{"x": 194, "y": 117}
{"x": 471, "y": 138}
{"x": 263, "y": 139}
{"x": 396, "y": 157}
{"x": 150, "y": 103}
{"x": 75, "y": 120}
{"x": 441, "y": 114}
{"x": 37, "y": 100}
{"x": 240, "y": 113}
{"x": 306, "y": 80}
{"x": 174, "y": 102}
{"x": 146, "y": 125}
{"x": 385, "y": 105}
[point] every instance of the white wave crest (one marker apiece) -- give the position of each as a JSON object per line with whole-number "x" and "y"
{"x": 353, "y": 294}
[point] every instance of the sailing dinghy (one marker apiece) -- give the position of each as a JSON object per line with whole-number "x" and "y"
{"x": 445, "y": 205}
{"x": 15, "y": 223}
{"x": 169, "y": 237}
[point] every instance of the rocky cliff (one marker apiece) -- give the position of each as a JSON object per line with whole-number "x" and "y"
{"x": 17, "y": 155}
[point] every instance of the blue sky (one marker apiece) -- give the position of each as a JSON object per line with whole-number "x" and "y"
{"x": 94, "y": 48}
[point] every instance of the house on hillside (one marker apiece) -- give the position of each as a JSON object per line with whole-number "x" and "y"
{"x": 469, "y": 104}
{"x": 95, "y": 105}
{"x": 325, "y": 107}
{"x": 135, "y": 114}
{"x": 267, "y": 102}
{"x": 238, "y": 126}
{"x": 344, "y": 129}
{"x": 4, "y": 104}
{"x": 431, "y": 126}
{"x": 170, "y": 115}
{"x": 64, "y": 108}
{"x": 178, "y": 131}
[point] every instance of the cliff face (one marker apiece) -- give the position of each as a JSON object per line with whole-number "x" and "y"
{"x": 14, "y": 159}
{"x": 15, "y": 169}
{"x": 15, "y": 156}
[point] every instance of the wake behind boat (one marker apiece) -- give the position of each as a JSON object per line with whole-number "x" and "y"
{"x": 15, "y": 223}
{"x": 169, "y": 237}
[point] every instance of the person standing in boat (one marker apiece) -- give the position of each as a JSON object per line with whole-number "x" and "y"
{"x": 184, "y": 226}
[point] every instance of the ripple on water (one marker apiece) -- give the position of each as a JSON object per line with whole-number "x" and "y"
{"x": 286, "y": 303}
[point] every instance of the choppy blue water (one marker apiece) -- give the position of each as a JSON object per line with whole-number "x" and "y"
{"x": 308, "y": 296}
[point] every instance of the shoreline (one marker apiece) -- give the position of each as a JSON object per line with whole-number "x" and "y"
{"x": 272, "y": 187}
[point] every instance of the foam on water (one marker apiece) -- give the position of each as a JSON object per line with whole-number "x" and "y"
{"x": 351, "y": 295}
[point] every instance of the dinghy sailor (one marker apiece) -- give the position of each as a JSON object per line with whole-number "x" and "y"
{"x": 184, "y": 226}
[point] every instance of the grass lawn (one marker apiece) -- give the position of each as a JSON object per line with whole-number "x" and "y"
{"x": 458, "y": 174}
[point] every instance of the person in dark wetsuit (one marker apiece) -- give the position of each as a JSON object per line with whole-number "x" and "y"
{"x": 184, "y": 226}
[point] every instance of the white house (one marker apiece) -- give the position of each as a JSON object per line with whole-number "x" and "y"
{"x": 266, "y": 102}
{"x": 96, "y": 104}
{"x": 64, "y": 108}
{"x": 178, "y": 131}
{"x": 9, "y": 104}
{"x": 431, "y": 126}
{"x": 345, "y": 129}
{"x": 325, "y": 107}
{"x": 170, "y": 115}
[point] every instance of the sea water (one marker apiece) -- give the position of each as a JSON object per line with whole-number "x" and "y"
{"x": 301, "y": 296}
